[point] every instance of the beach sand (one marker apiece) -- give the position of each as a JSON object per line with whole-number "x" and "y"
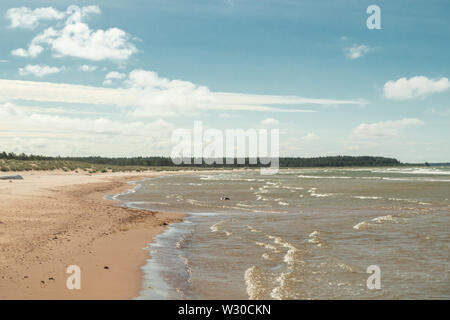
{"x": 51, "y": 220}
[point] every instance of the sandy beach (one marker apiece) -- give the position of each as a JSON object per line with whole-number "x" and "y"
{"x": 51, "y": 220}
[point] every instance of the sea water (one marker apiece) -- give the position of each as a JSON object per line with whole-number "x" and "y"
{"x": 300, "y": 234}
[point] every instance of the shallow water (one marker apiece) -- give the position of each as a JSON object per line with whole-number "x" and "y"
{"x": 301, "y": 234}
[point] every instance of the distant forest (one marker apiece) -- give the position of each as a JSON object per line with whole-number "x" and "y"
{"x": 285, "y": 162}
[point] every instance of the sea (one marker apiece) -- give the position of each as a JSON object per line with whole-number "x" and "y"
{"x": 314, "y": 233}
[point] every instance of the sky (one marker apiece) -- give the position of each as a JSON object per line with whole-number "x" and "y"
{"x": 116, "y": 78}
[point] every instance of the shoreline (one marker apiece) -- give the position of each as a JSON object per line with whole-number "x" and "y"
{"x": 51, "y": 220}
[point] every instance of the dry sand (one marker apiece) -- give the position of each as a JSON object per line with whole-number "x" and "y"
{"x": 51, "y": 220}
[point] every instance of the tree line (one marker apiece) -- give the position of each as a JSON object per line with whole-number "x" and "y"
{"x": 284, "y": 162}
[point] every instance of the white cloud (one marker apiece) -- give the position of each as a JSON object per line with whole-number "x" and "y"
{"x": 38, "y": 70}
{"x": 384, "y": 129}
{"x": 32, "y": 52}
{"x": 26, "y": 18}
{"x": 113, "y": 75}
{"x": 415, "y": 87}
{"x": 310, "y": 137}
{"x": 62, "y": 124}
{"x": 77, "y": 39}
{"x": 87, "y": 68}
{"x": 33, "y": 132}
{"x": 269, "y": 121}
{"x": 146, "y": 94}
{"x": 158, "y": 95}
{"x": 75, "y": 13}
{"x": 356, "y": 51}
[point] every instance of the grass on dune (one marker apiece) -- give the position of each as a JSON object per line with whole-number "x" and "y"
{"x": 65, "y": 165}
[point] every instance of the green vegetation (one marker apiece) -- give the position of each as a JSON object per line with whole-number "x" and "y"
{"x": 339, "y": 161}
{"x": 22, "y": 162}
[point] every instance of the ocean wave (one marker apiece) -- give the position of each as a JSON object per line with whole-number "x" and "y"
{"x": 380, "y": 220}
{"x": 216, "y": 227}
{"x": 368, "y": 197}
{"x": 321, "y": 195}
{"x": 286, "y": 288}
{"x": 278, "y": 292}
{"x": 312, "y": 193}
{"x": 262, "y": 190}
{"x": 293, "y": 188}
{"x": 314, "y": 238}
{"x": 421, "y": 179}
{"x": 423, "y": 171}
{"x": 289, "y": 257}
{"x": 187, "y": 265}
{"x": 193, "y": 202}
{"x": 206, "y": 214}
{"x": 386, "y": 219}
{"x": 325, "y": 177}
{"x": 266, "y": 256}
{"x": 253, "y": 229}
{"x": 409, "y": 200}
{"x": 245, "y": 205}
{"x": 130, "y": 191}
{"x": 254, "y": 280}
{"x": 267, "y": 246}
{"x": 362, "y": 225}
{"x": 261, "y": 198}
{"x": 180, "y": 243}
{"x": 347, "y": 267}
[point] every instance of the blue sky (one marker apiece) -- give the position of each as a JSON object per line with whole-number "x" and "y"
{"x": 243, "y": 64}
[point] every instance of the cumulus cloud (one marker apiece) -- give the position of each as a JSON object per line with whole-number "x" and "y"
{"x": 75, "y": 13}
{"x": 32, "y": 52}
{"x": 356, "y": 51}
{"x": 38, "y": 70}
{"x": 384, "y": 129}
{"x": 26, "y": 18}
{"x": 77, "y": 39}
{"x": 146, "y": 94}
{"x": 415, "y": 87}
{"x": 87, "y": 68}
{"x": 113, "y": 75}
{"x": 270, "y": 121}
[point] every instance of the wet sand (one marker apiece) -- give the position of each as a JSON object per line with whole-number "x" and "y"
{"x": 51, "y": 220}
